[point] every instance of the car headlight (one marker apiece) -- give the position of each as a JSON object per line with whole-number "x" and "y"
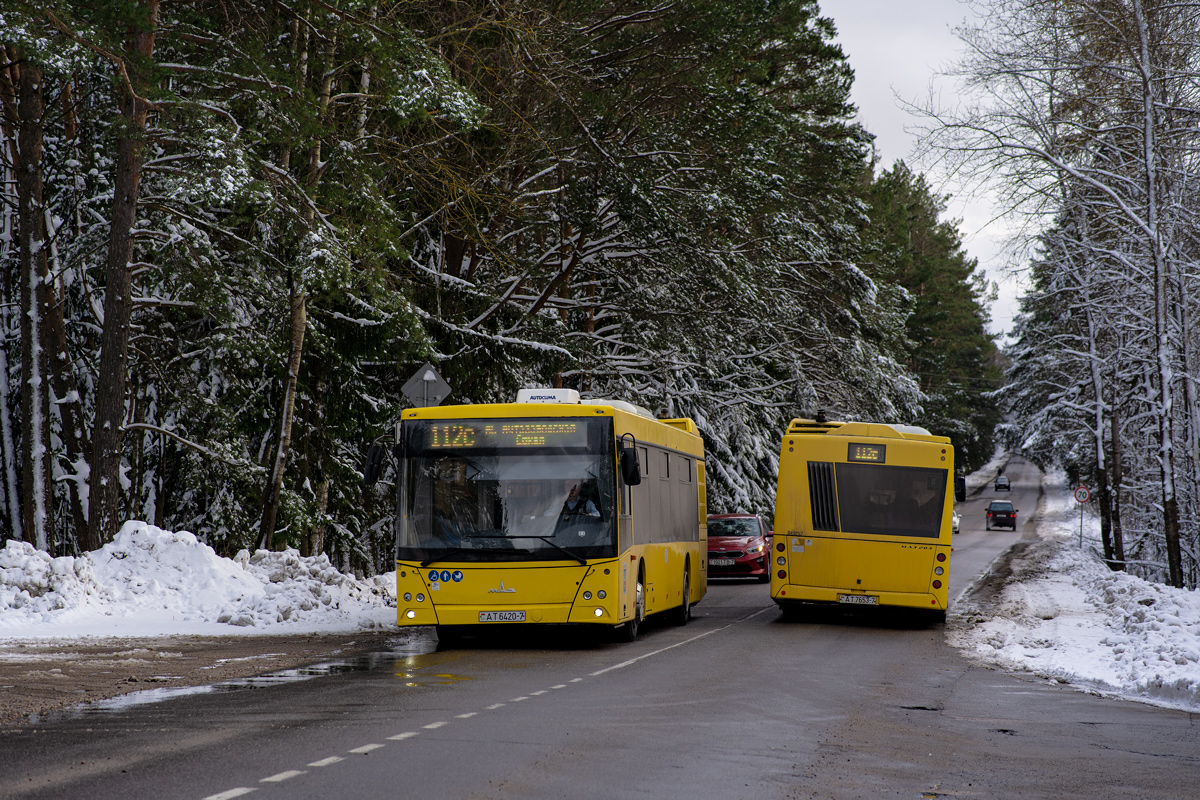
{"x": 758, "y": 548}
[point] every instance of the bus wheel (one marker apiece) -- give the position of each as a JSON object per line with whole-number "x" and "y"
{"x": 448, "y": 636}
{"x": 629, "y": 631}
{"x": 684, "y": 612}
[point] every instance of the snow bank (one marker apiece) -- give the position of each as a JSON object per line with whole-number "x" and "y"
{"x": 1065, "y": 616}
{"x": 151, "y": 582}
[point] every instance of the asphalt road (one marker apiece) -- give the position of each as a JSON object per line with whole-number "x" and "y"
{"x": 737, "y": 704}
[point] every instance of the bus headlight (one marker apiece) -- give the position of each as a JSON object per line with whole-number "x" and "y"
{"x": 408, "y": 597}
{"x": 411, "y": 614}
{"x": 781, "y": 561}
{"x": 587, "y": 595}
{"x": 602, "y": 594}
{"x": 599, "y": 612}
{"x": 420, "y": 598}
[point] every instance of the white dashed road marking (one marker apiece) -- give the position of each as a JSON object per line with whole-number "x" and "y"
{"x": 367, "y": 748}
{"x": 282, "y": 776}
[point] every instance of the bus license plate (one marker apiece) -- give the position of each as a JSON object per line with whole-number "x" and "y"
{"x": 720, "y": 562}
{"x": 501, "y": 616}
{"x": 858, "y": 599}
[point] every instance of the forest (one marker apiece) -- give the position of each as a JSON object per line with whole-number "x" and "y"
{"x": 230, "y": 232}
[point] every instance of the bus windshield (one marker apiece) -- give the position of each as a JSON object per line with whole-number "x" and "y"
{"x": 508, "y": 490}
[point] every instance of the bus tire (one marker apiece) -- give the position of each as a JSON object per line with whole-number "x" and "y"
{"x": 684, "y": 612}
{"x": 448, "y": 636}
{"x": 629, "y": 631}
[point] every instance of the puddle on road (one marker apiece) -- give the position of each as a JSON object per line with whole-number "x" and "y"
{"x": 408, "y": 652}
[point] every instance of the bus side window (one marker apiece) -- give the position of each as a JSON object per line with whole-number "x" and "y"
{"x": 645, "y": 462}
{"x": 666, "y": 465}
{"x": 685, "y": 474}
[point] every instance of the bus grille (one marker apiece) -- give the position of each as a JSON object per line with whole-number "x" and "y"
{"x": 822, "y": 495}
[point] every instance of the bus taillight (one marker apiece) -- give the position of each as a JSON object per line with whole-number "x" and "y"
{"x": 937, "y": 584}
{"x": 780, "y": 547}
{"x": 941, "y": 556}
{"x": 782, "y": 574}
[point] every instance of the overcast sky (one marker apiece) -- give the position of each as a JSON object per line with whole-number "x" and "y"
{"x": 896, "y": 47}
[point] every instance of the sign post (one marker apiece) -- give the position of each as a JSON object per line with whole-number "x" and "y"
{"x": 1082, "y": 495}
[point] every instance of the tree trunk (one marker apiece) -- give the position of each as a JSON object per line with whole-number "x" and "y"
{"x": 66, "y": 400}
{"x": 299, "y": 320}
{"x": 298, "y": 295}
{"x": 1115, "y": 459}
{"x": 1163, "y": 343}
{"x": 111, "y": 387}
{"x": 37, "y": 477}
{"x": 11, "y": 502}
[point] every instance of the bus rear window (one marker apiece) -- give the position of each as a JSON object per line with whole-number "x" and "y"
{"x": 881, "y": 500}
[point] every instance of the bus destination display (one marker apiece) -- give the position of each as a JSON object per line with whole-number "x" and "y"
{"x": 867, "y": 453}
{"x": 462, "y": 434}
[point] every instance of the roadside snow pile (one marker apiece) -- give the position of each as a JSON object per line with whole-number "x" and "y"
{"x": 1065, "y": 616}
{"x": 150, "y": 582}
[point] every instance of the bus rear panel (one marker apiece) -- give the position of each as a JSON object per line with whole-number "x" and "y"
{"x": 862, "y": 517}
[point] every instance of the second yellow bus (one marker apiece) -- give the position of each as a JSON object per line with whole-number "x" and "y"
{"x": 863, "y": 517}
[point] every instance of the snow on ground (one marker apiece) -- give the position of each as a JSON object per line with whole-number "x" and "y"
{"x": 151, "y": 582}
{"x": 1065, "y": 616}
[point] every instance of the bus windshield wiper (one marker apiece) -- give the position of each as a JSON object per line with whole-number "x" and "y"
{"x": 445, "y": 555}
{"x": 578, "y": 558}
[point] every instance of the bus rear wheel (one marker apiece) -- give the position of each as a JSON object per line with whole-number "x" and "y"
{"x": 684, "y": 612}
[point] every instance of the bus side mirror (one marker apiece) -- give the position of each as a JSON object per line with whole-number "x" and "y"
{"x": 960, "y": 488}
{"x": 631, "y": 468}
{"x": 374, "y": 465}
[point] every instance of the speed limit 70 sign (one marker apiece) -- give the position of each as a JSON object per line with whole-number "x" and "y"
{"x": 1082, "y": 494}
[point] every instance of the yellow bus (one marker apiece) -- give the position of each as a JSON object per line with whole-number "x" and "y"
{"x": 549, "y": 510}
{"x": 863, "y": 517}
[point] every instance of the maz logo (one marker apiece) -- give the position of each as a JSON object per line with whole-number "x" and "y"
{"x": 502, "y": 590}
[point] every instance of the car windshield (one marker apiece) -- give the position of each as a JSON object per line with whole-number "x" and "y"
{"x": 1000, "y": 507}
{"x": 1002, "y": 481}
{"x": 545, "y": 490}
{"x": 733, "y": 527}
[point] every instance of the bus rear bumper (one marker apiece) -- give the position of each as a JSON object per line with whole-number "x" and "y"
{"x": 791, "y": 595}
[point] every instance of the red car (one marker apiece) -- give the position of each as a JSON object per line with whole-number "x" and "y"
{"x": 739, "y": 546}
